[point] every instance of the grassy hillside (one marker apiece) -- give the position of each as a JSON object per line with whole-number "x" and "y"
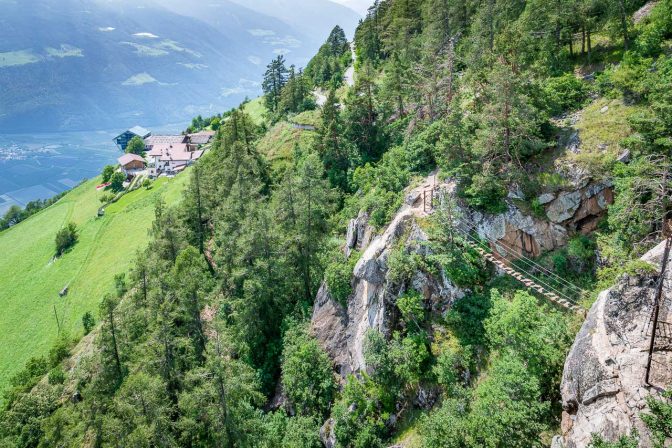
{"x": 279, "y": 142}
{"x": 106, "y": 247}
{"x": 256, "y": 109}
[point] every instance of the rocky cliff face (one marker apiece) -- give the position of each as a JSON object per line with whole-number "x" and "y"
{"x": 603, "y": 388}
{"x": 341, "y": 329}
{"x": 371, "y": 305}
{"x": 567, "y": 212}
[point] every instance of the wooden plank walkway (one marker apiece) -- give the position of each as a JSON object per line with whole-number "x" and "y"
{"x": 428, "y": 206}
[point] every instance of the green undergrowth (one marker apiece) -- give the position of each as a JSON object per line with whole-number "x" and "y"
{"x": 602, "y": 126}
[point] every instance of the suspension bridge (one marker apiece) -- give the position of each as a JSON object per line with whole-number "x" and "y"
{"x": 530, "y": 273}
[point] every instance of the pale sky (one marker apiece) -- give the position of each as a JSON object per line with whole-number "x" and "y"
{"x": 361, "y": 6}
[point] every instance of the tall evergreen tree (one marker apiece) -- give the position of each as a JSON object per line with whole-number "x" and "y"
{"x": 275, "y": 79}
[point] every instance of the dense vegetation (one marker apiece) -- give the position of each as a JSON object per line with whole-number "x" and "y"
{"x": 213, "y": 318}
{"x": 328, "y": 66}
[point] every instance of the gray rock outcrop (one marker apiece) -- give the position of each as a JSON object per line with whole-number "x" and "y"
{"x": 603, "y": 388}
{"x": 567, "y": 213}
{"x": 517, "y": 232}
{"x": 341, "y": 330}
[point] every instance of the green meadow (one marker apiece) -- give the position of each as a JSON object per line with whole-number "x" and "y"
{"x": 32, "y": 279}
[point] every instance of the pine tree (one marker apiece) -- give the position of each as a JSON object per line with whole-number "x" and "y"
{"x": 166, "y": 232}
{"x": 111, "y": 360}
{"x": 338, "y": 42}
{"x": 334, "y": 149}
{"x": 190, "y": 276}
{"x": 361, "y": 116}
{"x": 194, "y": 210}
{"x": 217, "y": 406}
{"x": 507, "y": 122}
{"x": 397, "y": 82}
{"x": 303, "y": 203}
{"x": 275, "y": 79}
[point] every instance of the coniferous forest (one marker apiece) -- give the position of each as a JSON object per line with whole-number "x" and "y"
{"x": 207, "y": 340}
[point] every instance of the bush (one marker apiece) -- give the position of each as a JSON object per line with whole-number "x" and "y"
{"x": 338, "y": 277}
{"x": 147, "y": 184}
{"x": 409, "y": 356}
{"x": 56, "y": 376}
{"x": 411, "y": 307}
{"x": 402, "y": 265}
{"x": 452, "y": 367}
{"x": 117, "y": 181}
{"x": 462, "y": 265}
{"x": 631, "y": 441}
{"x": 581, "y": 251}
{"x": 66, "y": 238}
{"x": 538, "y": 209}
{"x": 88, "y": 322}
{"x": 106, "y": 198}
{"x": 359, "y": 422}
{"x": 306, "y": 373}
{"x": 486, "y": 193}
{"x": 565, "y": 93}
{"x": 108, "y": 171}
{"x": 34, "y": 369}
{"x": 59, "y": 351}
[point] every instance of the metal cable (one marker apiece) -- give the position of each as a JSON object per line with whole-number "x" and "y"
{"x": 539, "y": 281}
{"x": 531, "y": 262}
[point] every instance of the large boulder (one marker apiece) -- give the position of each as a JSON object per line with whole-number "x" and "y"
{"x": 564, "y": 206}
{"x": 518, "y": 233}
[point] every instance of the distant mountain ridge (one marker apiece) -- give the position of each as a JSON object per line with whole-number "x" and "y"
{"x": 101, "y": 64}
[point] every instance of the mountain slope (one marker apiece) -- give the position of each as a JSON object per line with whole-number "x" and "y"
{"x": 316, "y": 17}
{"x": 95, "y": 64}
{"x": 105, "y": 248}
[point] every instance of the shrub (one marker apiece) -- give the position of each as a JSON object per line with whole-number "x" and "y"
{"x": 56, "y": 376}
{"x": 59, "y": 351}
{"x": 463, "y": 266}
{"x": 106, "y": 198}
{"x": 306, "y": 373}
{"x": 659, "y": 418}
{"x": 402, "y": 265}
{"x": 631, "y": 441}
{"x": 338, "y": 276}
{"x": 66, "y": 238}
{"x": 452, "y": 367}
{"x": 486, "y": 193}
{"x": 28, "y": 376}
{"x": 565, "y": 93}
{"x": 147, "y": 184}
{"x": 411, "y": 307}
{"x": 537, "y": 208}
{"x": 409, "y": 356}
{"x": 357, "y": 416}
{"x": 581, "y": 251}
{"x": 108, "y": 171}
{"x": 88, "y": 322}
